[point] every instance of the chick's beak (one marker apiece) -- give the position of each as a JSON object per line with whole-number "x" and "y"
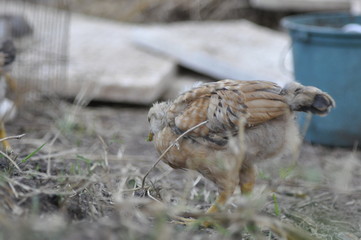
{"x": 150, "y": 137}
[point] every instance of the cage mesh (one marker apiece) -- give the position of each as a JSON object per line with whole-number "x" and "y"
{"x": 40, "y": 31}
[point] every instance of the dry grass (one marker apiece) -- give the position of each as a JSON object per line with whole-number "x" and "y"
{"x": 84, "y": 183}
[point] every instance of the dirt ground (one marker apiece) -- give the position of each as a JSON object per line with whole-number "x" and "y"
{"x": 84, "y": 184}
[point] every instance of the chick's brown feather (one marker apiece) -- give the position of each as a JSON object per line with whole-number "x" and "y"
{"x": 222, "y": 104}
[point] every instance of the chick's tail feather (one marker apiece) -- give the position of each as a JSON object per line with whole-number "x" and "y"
{"x": 308, "y": 99}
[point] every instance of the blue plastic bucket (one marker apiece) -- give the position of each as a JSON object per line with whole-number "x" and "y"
{"x": 329, "y": 58}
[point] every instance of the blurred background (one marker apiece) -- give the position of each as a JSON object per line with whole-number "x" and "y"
{"x": 59, "y": 41}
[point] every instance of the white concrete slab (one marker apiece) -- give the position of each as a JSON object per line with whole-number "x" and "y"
{"x": 302, "y": 5}
{"x": 107, "y": 66}
{"x": 228, "y": 49}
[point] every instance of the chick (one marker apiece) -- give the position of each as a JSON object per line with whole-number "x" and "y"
{"x": 267, "y": 115}
{"x": 7, "y": 107}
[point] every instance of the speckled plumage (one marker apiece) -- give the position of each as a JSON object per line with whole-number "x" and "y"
{"x": 266, "y": 109}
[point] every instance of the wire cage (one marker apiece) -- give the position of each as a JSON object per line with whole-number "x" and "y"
{"x": 40, "y": 32}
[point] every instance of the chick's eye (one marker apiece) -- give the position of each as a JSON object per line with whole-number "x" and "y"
{"x": 148, "y": 119}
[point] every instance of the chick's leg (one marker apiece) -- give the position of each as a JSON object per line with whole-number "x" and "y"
{"x": 222, "y": 198}
{"x": 3, "y": 135}
{"x": 247, "y": 178}
{"x": 220, "y": 201}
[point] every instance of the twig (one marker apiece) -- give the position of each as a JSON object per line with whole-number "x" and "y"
{"x": 105, "y": 147}
{"x": 13, "y": 189}
{"x": 48, "y": 167}
{"x": 54, "y": 155}
{"x": 170, "y": 146}
{"x": 150, "y": 195}
{"x": 12, "y": 137}
{"x": 130, "y": 190}
{"x": 283, "y": 230}
{"x": 35, "y": 191}
{"x": 11, "y": 160}
{"x": 23, "y": 186}
{"x": 125, "y": 158}
{"x": 45, "y": 176}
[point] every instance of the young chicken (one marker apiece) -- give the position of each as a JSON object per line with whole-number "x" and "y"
{"x": 269, "y": 128}
{"x": 7, "y": 57}
{"x": 7, "y": 107}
